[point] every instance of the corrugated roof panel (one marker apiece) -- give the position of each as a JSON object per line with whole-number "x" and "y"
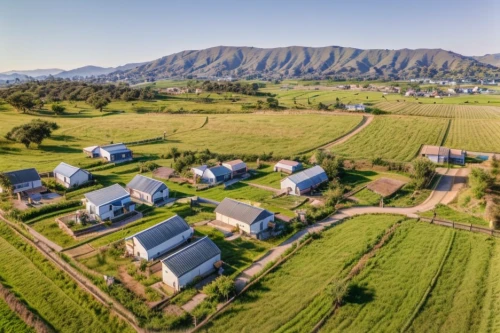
{"x": 115, "y": 148}
{"x": 66, "y": 169}
{"x": 107, "y": 194}
{"x": 191, "y": 256}
{"x": 146, "y": 184}
{"x": 241, "y": 211}
{"x": 309, "y": 177}
{"x": 161, "y": 232}
{"x": 220, "y": 171}
{"x": 22, "y": 176}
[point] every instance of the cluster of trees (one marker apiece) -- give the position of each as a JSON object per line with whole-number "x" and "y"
{"x": 421, "y": 172}
{"x": 27, "y": 96}
{"x": 236, "y": 87}
{"x": 33, "y": 132}
{"x": 480, "y": 181}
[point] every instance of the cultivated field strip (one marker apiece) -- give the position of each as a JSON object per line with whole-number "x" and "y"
{"x": 441, "y": 110}
{"x": 277, "y": 298}
{"x": 455, "y": 303}
{"x": 490, "y": 321}
{"x": 55, "y": 297}
{"x": 475, "y": 135}
{"x": 394, "y": 138}
{"x": 384, "y": 295}
{"x": 10, "y": 321}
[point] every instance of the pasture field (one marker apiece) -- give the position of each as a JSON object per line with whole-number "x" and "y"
{"x": 441, "y": 110}
{"x": 384, "y": 295}
{"x": 60, "y": 301}
{"x": 474, "y": 135}
{"x": 456, "y": 302}
{"x": 10, "y": 321}
{"x": 284, "y": 135}
{"x": 394, "y": 138}
{"x": 450, "y": 214}
{"x": 280, "y": 295}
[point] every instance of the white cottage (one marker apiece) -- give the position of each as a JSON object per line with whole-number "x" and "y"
{"x": 23, "y": 180}
{"x": 109, "y": 202}
{"x": 115, "y": 153}
{"x": 304, "y": 181}
{"x": 147, "y": 189}
{"x": 159, "y": 239}
{"x": 250, "y": 219}
{"x": 70, "y": 176}
{"x": 199, "y": 259}
{"x": 216, "y": 175}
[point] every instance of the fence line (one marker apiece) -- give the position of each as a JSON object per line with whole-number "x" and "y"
{"x": 462, "y": 226}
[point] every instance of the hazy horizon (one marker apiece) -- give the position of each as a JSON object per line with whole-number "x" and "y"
{"x": 68, "y": 35}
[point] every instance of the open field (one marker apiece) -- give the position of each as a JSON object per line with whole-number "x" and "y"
{"x": 10, "y": 321}
{"x": 279, "y": 296}
{"x": 441, "y": 110}
{"x": 394, "y": 138}
{"x": 60, "y": 301}
{"x": 474, "y": 135}
{"x": 284, "y": 135}
{"x": 450, "y": 214}
{"x": 384, "y": 295}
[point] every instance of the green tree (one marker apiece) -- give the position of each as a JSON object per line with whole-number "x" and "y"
{"x": 220, "y": 289}
{"x": 337, "y": 290}
{"x": 333, "y": 196}
{"x": 58, "y": 108}
{"x": 99, "y": 102}
{"x": 5, "y": 183}
{"x": 22, "y": 101}
{"x": 333, "y": 166}
{"x": 421, "y": 171}
{"x": 33, "y": 132}
{"x": 480, "y": 180}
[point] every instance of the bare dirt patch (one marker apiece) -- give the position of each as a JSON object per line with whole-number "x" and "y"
{"x": 385, "y": 187}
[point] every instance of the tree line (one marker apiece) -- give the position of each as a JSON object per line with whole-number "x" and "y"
{"x": 31, "y": 95}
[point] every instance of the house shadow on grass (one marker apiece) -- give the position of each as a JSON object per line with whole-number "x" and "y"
{"x": 358, "y": 294}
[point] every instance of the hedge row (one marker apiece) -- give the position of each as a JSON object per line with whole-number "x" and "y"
{"x": 84, "y": 190}
{"x": 35, "y": 212}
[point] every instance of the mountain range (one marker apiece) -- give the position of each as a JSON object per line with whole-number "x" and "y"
{"x": 293, "y": 61}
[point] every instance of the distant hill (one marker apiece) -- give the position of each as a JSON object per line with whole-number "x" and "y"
{"x": 491, "y": 59}
{"x": 297, "y": 61}
{"x": 94, "y": 71}
{"x": 35, "y": 72}
{"x": 13, "y": 77}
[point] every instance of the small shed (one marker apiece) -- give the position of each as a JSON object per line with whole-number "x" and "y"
{"x": 70, "y": 176}
{"x": 287, "y": 166}
{"x": 147, "y": 190}
{"x": 237, "y": 167}
{"x": 196, "y": 260}
{"x": 215, "y": 175}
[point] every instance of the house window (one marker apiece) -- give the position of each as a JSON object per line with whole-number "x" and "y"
{"x": 110, "y": 207}
{"x": 124, "y": 155}
{"x": 138, "y": 254}
{"x": 261, "y": 226}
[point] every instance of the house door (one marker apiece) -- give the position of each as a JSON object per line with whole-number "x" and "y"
{"x": 261, "y": 226}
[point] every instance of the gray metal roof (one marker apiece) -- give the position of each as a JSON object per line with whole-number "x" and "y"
{"x": 220, "y": 170}
{"x": 309, "y": 177}
{"x": 22, "y": 176}
{"x": 192, "y": 256}
{"x": 115, "y": 148}
{"x": 161, "y": 232}
{"x": 146, "y": 184}
{"x": 67, "y": 170}
{"x": 241, "y": 211}
{"x": 107, "y": 194}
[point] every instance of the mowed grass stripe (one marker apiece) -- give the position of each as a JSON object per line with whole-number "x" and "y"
{"x": 394, "y": 138}
{"x": 282, "y": 294}
{"x": 387, "y": 291}
{"x": 455, "y": 303}
{"x": 490, "y": 321}
{"x": 55, "y": 297}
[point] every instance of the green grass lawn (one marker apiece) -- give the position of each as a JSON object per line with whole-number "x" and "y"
{"x": 450, "y": 214}
{"x": 393, "y": 138}
{"x": 279, "y": 296}
{"x": 55, "y": 297}
{"x": 267, "y": 177}
{"x": 367, "y": 198}
{"x": 10, "y": 321}
{"x": 385, "y": 293}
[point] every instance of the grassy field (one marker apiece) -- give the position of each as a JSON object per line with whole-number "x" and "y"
{"x": 393, "y": 138}
{"x": 450, "y": 214}
{"x": 282, "y": 294}
{"x": 441, "y": 109}
{"x": 60, "y": 301}
{"x": 10, "y": 321}
{"x": 474, "y": 135}
{"x": 384, "y": 295}
{"x": 456, "y": 302}
{"x": 284, "y": 135}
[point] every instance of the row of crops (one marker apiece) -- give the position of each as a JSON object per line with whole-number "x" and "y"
{"x": 441, "y": 110}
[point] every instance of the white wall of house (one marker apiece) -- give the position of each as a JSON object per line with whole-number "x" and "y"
{"x": 254, "y": 228}
{"x": 208, "y": 177}
{"x": 142, "y": 196}
{"x": 179, "y": 282}
{"x": 78, "y": 178}
{"x": 161, "y": 194}
{"x": 287, "y": 183}
{"x": 283, "y": 168}
{"x": 105, "y": 154}
{"x": 139, "y": 251}
{"x": 27, "y": 186}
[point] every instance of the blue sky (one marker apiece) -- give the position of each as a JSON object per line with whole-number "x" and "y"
{"x": 73, "y": 33}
